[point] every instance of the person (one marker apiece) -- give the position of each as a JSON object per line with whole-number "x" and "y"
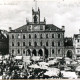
{"x": 60, "y": 75}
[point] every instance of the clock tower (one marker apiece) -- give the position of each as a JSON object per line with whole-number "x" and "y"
{"x": 36, "y": 16}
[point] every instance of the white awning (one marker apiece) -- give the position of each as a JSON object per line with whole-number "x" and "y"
{"x": 77, "y": 68}
{"x": 70, "y": 75}
{"x": 6, "y": 56}
{"x": 18, "y": 57}
{"x": 0, "y": 57}
{"x": 43, "y": 63}
{"x": 52, "y": 72}
{"x": 36, "y": 58}
{"x": 34, "y": 66}
{"x": 53, "y": 61}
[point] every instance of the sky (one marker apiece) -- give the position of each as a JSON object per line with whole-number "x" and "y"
{"x": 13, "y": 13}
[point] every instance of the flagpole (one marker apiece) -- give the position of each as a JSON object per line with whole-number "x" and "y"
{"x": 35, "y": 5}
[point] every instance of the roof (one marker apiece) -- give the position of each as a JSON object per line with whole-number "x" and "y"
{"x": 52, "y": 27}
{"x": 48, "y": 27}
{"x": 76, "y": 35}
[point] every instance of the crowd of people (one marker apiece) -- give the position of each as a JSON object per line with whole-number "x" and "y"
{"x": 10, "y": 70}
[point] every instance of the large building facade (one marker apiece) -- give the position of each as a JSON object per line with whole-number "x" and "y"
{"x": 37, "y": 38}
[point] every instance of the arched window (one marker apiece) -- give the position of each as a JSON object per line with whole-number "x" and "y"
{"x": 23, "y": 43}
{"x": 13, "y": 51}
{"x": 47, "y": 43}
{"x": 58, "y": 51}
{"x": 58, "y": 43}
{"x": 12, "y": 36}
{"x": 29, "y": 36}
{"x": 12, "y": 43}
{"x": 18, "y": 51}
{"x": 23, "y": 36}
{"x": 18, "y": 43}
{"x": 23, "y": 51}
{"x": 58, "y": 35}
{"x": 52, "y": 51}
{"x": 41, "y": 43}
{"x": 41, "y": 36}
{"x": 52, "y": 35}
{"x": 46, "y": 35}
{"x": 29, "y": 43}
{"x": 35, "y": 44}
{"x": 35, "y": 36}
{"x": 53, "y": 43}
{"x": 35, "y": 19}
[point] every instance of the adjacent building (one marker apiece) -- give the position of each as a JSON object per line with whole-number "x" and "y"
{"x": 69, "y": 48}
{"x": 4, "y": 42}
{"x": 37, "y": 38}
{"x": 76, "y": 43}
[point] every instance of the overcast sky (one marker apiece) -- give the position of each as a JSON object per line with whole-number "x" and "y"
{"x": 13, "y": 13}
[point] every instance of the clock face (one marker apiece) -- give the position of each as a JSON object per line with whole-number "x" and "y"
{"x": 36, "y": 27}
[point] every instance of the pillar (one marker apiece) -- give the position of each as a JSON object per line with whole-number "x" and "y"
{"x": 37, "y": 52}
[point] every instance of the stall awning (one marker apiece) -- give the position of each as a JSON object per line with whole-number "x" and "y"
{"x": 18, "y": 57}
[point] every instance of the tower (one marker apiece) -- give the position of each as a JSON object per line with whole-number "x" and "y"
{"x": 36, "y": 14}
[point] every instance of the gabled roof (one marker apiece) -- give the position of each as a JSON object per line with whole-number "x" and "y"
{"x": 48, "y": 27}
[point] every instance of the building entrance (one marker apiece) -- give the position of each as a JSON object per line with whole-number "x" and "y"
{"x": 69, "y": 54}
{"x": 40, "y": 52}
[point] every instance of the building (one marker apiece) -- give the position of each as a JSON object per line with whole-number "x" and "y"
{"x": 69, "y": 48}
{"x": 76, "y": 44}
{"x": 4, "y": 42}
{"x": 37, "y": 38}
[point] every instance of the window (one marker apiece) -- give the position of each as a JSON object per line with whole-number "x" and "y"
{"x": 23, "y": 51}
{"x": 58, "y": 43}
{"x": 53, "y": 43}
{"x": 58, "y": 35}
{"x": 59, "y": 51}
{"x": 23, "y": 43}
{"x": 12, "y": 51}
{"x": 78, "y": 51}
{"x": 41, "y": 43}
{"x": 35, "y": 44}
{"x": 35, "y": 36}
{"x": 12, "y": 43}
{"x": 41, "y": 36}
{"x": 41, "y": 27}
{"x": 46, "y": 35}
{"x": 78, "y": 40}
{"x": 52, "y": 51}
{"x": 18, "y": 43}
{"x": 29, "y": 43}
{"x": 18, "y": 51}
{"x": 47, "y": 43}
{"x": 29, "y": 36}
{"x": 23, "y": 36}
{"x": 12, "y": 36}
{"x": 18, "y": 36}
{"x": 52, "y": 35}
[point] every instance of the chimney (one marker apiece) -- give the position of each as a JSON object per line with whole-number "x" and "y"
{"x": 10, "y": 28}
{"x": 44, "y": 20}
{"x": 27, "y": 21}
{"x": 63, "y": 28}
